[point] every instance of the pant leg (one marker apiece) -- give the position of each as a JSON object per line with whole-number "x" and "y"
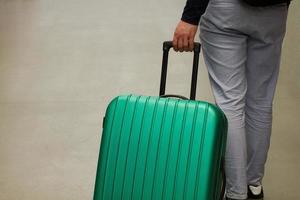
{"x": 224, "y": 50}
{"x": 262, "y": 68}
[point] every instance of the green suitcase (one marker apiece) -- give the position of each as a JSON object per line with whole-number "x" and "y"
{"x": 162, "y": 148}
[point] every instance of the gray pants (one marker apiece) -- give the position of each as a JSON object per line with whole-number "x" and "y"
{"x": 242, "y": 47}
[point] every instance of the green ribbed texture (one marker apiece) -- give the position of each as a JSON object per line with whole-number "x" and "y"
{"x": 160, "y": 148}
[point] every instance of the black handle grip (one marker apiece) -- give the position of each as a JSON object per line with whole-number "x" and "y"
{"x": 166, "y": 48}
{"x": 167, "y": 45}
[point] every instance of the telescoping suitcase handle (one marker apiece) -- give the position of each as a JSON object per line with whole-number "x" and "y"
{"x": 166, "y": 48}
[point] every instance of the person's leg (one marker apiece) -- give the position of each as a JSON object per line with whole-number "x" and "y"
{"x": 262, "y": 68}
{"x": 225, "y": 51}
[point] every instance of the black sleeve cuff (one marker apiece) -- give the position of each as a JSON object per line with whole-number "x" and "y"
{"x": 193, "y": 11}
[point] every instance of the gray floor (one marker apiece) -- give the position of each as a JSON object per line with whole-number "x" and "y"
{"x": 61, "y": 61}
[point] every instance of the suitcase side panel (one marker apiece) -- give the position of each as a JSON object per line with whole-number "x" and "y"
{"x": 212, "y": 154}
{"x": 218, "y": 117}
{"x": 134, "y": 146}
{"x": 141, "y": 153}
{"x": 112, "y": 119}
{"x": 194, "y": 168}
{"x": 124, "y": 110}
{"x": 164, "y": 150}
{"x": 126, "y": 133}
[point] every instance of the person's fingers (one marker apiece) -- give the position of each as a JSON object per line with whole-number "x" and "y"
{"x": 175, "y": 42}
{"x": 180, "y": 44}
{"x": 191, "y": 44}
{"x": 185, "y": 43}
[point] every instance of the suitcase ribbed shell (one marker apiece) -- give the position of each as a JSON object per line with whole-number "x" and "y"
{"x": 160, "y": 148}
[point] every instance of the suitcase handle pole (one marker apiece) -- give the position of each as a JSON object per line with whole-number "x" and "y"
{"x": 166, "y": 48}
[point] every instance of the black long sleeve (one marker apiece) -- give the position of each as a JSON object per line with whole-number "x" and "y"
{"x": 193, "y": 11}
